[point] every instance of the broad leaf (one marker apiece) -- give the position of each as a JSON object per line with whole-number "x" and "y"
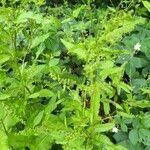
{"x": 3, "y": 141}
{"x": 147, "y": 5}
{"x": 103, "y": 127}
{"x": 39, "y": 39}
{"x": 42, "y": 93}
{"x": 38, "y": 118}
{"x": 133, "y": 136}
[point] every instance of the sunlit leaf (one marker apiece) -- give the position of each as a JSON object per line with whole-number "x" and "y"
{"x": 38, "y": 118}
{"x": 42, "y": 93}
{"x": 147, "y": 5}
{"x": 4, "y": 96}
{"x": 104, "y": 127}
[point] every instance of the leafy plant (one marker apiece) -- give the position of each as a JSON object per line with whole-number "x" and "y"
{"x": 61, "y": 86}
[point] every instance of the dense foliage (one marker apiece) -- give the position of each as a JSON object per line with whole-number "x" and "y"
{"x": 74, "y": 75}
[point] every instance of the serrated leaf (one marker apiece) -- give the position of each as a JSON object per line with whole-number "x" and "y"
{"x": 53, "y": 62}
{"x": 52, "y": 43}
{"x": 120, "y": 136}
{"x": 125, "y": 114}
{"x": 38, "y": 40}
{"x": 123, "y": 58}
{"x": 77, "y": 11}
{"x": 133, "y": 136}
{"x": 106, "y": 107}
{"x": 36, "y": 70}
{"x": 55, "y": 21}
{"x": 95, "y": 103}
{"x": 103, "y": 127}
{"x": 140, "y": 103}
{"x": 146, "y": 121}
{"x": 124, "y": 127}
{"x": 42, "y": 93}
{"x": 139, "y": 62}
{"x": 144, "y": 135}
{"x": 75, "y": 49}
{"x": 38, "y": 118}
{"x": 125, "y": 87}
{"x": 40, "y": 50}
{"x": 138, "y": 83}
{"x": 25, "y": 16}
{"x": 107, "y": 64}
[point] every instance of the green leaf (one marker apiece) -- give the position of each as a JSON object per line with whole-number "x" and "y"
{"x": 146, "y": 120}
{"x": 37, "y": 70}
{"x": 38, "y": 118}
{"x": 95, "y": 104}
{"x": 107, "y": 64}
{"x": 147, "y": 5}
{"x": 103, "y": 127}
{"x": 127, "y": 26}
{"x": 130, "y": 69}
{"x": 40, "y": 50}
{"x": 124, "y": 127}
{"x": 136, "y": 123}
{"x": 125, "y": 87}
{"x": 146, "y": 91}
{"x": 52, "y": 43}
{"x": 78, "y": 50}
{"x": 38, "y": 40}
{"x": 3, "y": 141}
{"x": 77, "y": 11}
{"x": 123, "y": 114}
{"x": 116, "y": 105}
{"x": 139, "y": 62}
{"x": 55, "y": 21}
{"x": 53, "y": 62}
{"x": 4, "y": 96}
{"x": 39, "y": 2}
{"x": 42, "y": 93}
{"x": 52, "y": 105}
{"x": 25, "y": 16}
{"x": 4, "y": 58}
{"x": 18, "y": 141}
{"x": 120, "y": 136}
{"x": 2, "y": 111}
{"x": 43, "y": 142}
{"x": 106, "y": 108}
{"x": 140, "y": 103}
{"x": 144, "y": 136}
{"x": 133, "y": 136}
{"x": 138, "y": 83}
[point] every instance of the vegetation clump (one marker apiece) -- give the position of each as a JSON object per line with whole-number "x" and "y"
{"x": 74, "y": 75}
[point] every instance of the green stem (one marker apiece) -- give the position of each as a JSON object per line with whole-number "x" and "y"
{"x": 4, "y": 127}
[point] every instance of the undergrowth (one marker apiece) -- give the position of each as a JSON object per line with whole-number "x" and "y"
{"x": 74, "y": 77}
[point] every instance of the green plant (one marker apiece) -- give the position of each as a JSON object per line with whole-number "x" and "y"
{"x": 60, "y": 86}
{"x": 138, "y": 67}
{"x": 134, "y": 132}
